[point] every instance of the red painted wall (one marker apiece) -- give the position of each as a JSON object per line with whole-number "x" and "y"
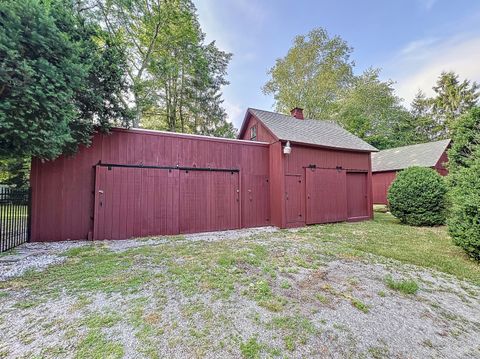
{"x": 63, "y": 190}
{"x": 381, "y": 181}
{"x": 277, "y": 185}
{"x": 440, "y": 165}
{"x": 263, "y": 134}
{"x": 302, "y": 156}
{"x": 67, "y": 202}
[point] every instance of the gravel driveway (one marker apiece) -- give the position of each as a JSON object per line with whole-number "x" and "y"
{"x": 248, "y": 293}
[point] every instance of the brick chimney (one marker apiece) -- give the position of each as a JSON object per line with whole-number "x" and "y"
{"x": 297, "y": 112}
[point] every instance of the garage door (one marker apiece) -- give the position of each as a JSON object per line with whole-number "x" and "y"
{"x": 139, "y": 202}
{"x": 357, "y": 198}
{"x": 326, "y": 195}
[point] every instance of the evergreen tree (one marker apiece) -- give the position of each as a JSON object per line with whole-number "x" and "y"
{"x": 425, "y": 128}
{"x": 452, "y": 99}
{"x": 60, "y": 77}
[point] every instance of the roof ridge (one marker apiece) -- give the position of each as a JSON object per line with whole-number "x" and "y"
{"x": 290, "y": 116}
{"x": 415, "y": 144}
{"x": 326, "y": 133}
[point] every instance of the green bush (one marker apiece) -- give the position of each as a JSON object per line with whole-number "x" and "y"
{"x": 464, "y": 219}
{"x": 418, "y": 197}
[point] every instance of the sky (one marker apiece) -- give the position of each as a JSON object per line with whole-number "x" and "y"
{"x": 412, "y": 41}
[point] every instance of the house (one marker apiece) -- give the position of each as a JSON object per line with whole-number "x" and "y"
{"x": 387, "y": 163}
{"x": 282, "y": 170}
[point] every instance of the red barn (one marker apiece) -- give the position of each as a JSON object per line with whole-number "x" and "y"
{"x": 386, "y": 164}
{"x": 132, "y": 183}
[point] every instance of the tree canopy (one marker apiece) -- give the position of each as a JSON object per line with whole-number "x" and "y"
{"x": 369, "y": 108}
{"x": 61, "y": 75}
{"x": 176, "y": 77}
{"x": 312, "y": 74}
{"x": 464, "y": 182}
{"x": 317, "y": 74}
{"x": 451, "y": 99}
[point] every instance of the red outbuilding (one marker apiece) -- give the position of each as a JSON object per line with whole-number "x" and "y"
{"x": 283, "y": 170}
{"x": 387, "y": 163}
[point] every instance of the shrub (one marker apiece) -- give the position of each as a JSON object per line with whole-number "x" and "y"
{"x": 464, "y": 220}
{"x": 418, "y": 197}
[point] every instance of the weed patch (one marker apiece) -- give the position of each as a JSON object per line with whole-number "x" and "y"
{"x": 405, "y": 286}
{"x": 251, "y": 348}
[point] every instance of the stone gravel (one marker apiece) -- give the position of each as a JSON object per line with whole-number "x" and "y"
{"x": 441, "y": 321}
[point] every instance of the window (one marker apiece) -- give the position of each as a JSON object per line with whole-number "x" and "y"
{"x": 253, "y": 132}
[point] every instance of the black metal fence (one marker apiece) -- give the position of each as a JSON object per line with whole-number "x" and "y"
{"x": 14, "y": 217}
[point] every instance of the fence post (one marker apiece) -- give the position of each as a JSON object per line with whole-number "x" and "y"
{"x": 29, "y": 214}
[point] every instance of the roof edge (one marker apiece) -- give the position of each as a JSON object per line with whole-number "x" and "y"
{"x": 305, "y": 144}
{"x": 185, "y": 135}
{"x": 249, "y": 114}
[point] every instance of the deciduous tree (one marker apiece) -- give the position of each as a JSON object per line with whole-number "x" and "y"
{"x": 369, "y": 108}
{"x": 312, "y": 75}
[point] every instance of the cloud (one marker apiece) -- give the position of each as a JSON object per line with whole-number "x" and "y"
{"x": 208, "y": 15}
{"x": 419, "y": 63}
{"x": 235, "y": 113}
{"x": 222, "y": 20}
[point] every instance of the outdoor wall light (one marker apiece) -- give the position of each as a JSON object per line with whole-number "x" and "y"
{"x": 287, "y": 149}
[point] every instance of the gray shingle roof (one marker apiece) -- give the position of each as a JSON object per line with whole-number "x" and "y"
{"x": 423, "y": 155}
{"x": 313, "y": 132}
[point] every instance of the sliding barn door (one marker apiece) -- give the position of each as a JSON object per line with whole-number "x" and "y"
{"x": 138, "y": 202}
{"x": 357, "y": 195}
{"x": 209, "y": 201}
{"x": 135, "y": 202}
{"x": 326, "y": 194}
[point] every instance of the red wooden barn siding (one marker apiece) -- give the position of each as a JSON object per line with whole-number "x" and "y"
{"x": 382, "y": 180}
{"x": 440, "y": 165}
{"x": 263, "y": 134}
{"x": 63, "y": 190}
{"x": 288, "y": 175}
{"x": 301, "y": 157}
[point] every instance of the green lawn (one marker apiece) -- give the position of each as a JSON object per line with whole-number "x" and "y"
{"x": 189, "y": 296}
{"x": 429, "y": 247}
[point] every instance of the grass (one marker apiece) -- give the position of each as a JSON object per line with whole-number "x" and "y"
{"x": 406, "y": 286}
{"x": 357, "y": 303}
{"x": 295, "y": 329}
{"x": 281, "y": 275}
{"x": 89, "y": 269}
{"x": 251, "y": 348}
{"x": 95, "y": 344}
{"x": 429, "y": 247}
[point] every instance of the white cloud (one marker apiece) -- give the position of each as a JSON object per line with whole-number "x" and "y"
{"x": 211, "y": 26}
{"x": 418, "y": 64}
{"x": 235, "y": 113}
{"x": 215, "y": 14}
